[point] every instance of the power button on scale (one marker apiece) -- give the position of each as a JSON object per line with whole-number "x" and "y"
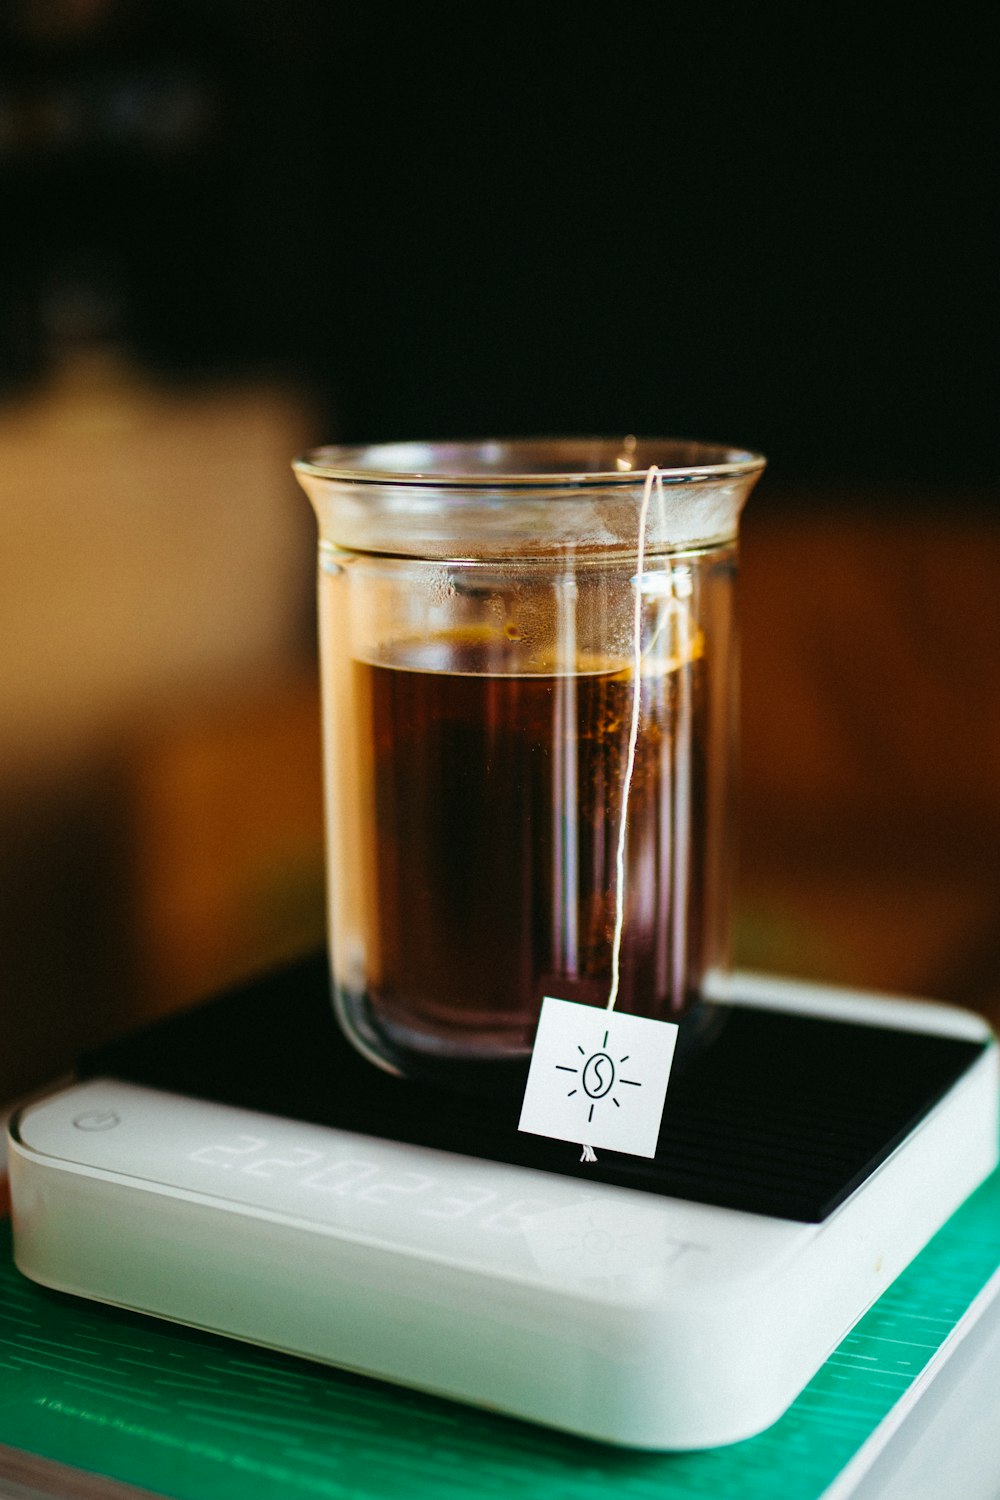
{"x": 97, "y": 1119}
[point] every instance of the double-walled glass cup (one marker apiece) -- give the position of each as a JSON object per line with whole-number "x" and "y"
{"x": 528, "y": 738}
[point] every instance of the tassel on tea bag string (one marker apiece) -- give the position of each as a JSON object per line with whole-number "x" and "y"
{"x": 683, "y": 648}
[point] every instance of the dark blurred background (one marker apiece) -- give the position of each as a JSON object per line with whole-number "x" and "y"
{"x": 464, "y": 226}
{"x": 231, "y": 230}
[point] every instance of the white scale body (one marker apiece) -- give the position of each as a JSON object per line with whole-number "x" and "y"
{"x": 645, "y": 1321}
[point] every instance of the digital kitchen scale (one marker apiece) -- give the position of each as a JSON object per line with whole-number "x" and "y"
{"x": 239, "y": 1168}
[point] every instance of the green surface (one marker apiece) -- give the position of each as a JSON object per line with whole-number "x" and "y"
{"x": 196, "y": 1416}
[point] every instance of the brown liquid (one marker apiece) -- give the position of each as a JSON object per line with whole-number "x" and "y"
{"x": 497, "y": 801}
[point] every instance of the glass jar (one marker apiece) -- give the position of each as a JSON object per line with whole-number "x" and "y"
{"x": 529, "y": 678}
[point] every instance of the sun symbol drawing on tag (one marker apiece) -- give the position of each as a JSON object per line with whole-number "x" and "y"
{"x": 573, "y": 1042}
{"x": 598, "y": 1075}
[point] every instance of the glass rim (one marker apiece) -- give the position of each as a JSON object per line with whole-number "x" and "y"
{"x": 528, "y": 463}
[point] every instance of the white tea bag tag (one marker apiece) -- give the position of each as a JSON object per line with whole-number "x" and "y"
{"x": 597, "y": 1077}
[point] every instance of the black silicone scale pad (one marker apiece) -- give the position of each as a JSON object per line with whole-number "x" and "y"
{"x": 782, "y": 1114}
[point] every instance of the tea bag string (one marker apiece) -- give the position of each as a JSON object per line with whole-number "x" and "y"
{"x": 652, "y": 477}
